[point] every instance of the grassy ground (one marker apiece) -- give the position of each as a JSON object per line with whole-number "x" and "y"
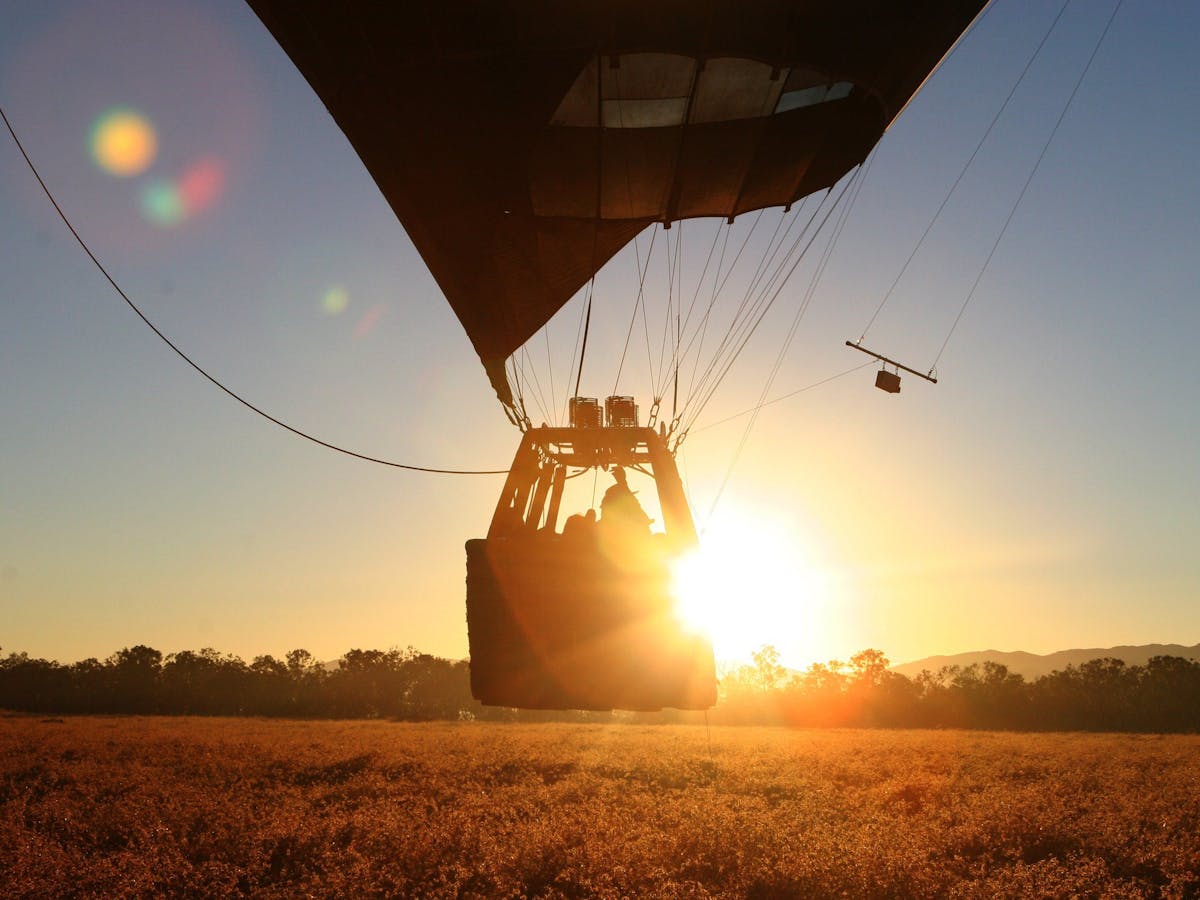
{"x": 218, "y": 807}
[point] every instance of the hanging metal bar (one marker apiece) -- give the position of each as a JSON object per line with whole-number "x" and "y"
{"x": 891, "y": 362}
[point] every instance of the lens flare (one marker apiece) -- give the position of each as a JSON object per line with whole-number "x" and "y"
{"x": 201, "y": 185}
{"x": 335, "y": 300}
{"x": 123, "y": 142}
{"x": 167, "y": 203}
{"x": 369, "y": 320}
{"x": 162, "y": 203}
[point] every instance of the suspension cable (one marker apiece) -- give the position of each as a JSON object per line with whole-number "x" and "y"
{"x": 787, "y": 396}
{"x": 187, "y": 359}
{"x": 530, "y": 371}
{"x": 637, "y": 302}
{"x": 718, "y": 284}
{"x": 587, "y": 323}
{"x": 550, "y": 375}
{"x": 764, "y": 308}
{"x": 1012, "y": 212}
{"x": 741, "y": 318}
{"x": 680, "y": 329}
{"x": 674, "y": 275}
{"x": 953, "y": 187}
{"x": 803, "y": 308}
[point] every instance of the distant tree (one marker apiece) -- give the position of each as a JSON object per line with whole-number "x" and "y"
{"x": 767, "y": 673}
{"x": 88, "y": 677}
{"x": 136, "y": 674}
{"x": 437, "y": 688}
{"x": 368, "y": 683}
{"x": 1168, "y": 694}
{"x": 868, "y": 669}
{"x": 270, "y": 687}
{"x": 875, "y": 695}
{"x": 307, "y": 680}
{"x": 205, "y": 683}
{"x": 33, "y": 684}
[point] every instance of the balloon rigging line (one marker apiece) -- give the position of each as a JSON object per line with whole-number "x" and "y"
{"x": 519, "y": 389}
{"x": 765, "y": 308}
{"x": 629, "y": 200}
{"x": 673, "y": 263}
{"x": 945, "y": 200}
{"x": 211, "y": 378}
{"x": 743, "y": 319}
{"x": 718, "y": 288}
{"x": 637, "y": 302}
{"x": 815, "y": 281}
{"x": 844, "y": 217}
{"x": 787, "y": 396}
{"x": 675, "y": 359}
{"x": 674, "y": 323}
{"x": 550, "y": 370}
{"x": 764, "y": 303}
{"x": 803, "y": 308}
{"x": 674, "y": 315}
{"x": 671, "y": 259}
{"x": 585, "y": 321}
{"x": 646, "y": 320}
{"x": 585, "y": 317}
{"x": 1045, "y": 147}
{"x": 529, "y": 367}
{"x": 523, "y": 361}
{"x": 718, "y": 285}
{"x": 515, "y": 383}
{"x": 678, "y": 338}
{"x": 668, "y": 257}
{"x": 773, "y": 248}
{"x": 958, "y": 42}
{"x": 546, "y": 409}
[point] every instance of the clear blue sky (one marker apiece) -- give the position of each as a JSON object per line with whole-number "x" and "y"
{"x": 1044, "y": 495}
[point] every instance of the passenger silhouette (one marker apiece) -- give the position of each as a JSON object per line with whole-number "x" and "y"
{"x": 620, "y": 510}
{"x": 580, "y": 528}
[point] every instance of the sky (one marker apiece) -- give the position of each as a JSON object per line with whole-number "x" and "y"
{"x": 1045, "y": 494}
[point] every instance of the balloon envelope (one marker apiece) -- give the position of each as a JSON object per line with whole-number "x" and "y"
{"x": 522, "y": 143}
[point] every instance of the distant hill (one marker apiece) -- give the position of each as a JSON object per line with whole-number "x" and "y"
{"x": 1033, "y": 665}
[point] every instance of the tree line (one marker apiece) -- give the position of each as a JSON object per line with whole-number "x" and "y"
{"x": 1102, "y": 695}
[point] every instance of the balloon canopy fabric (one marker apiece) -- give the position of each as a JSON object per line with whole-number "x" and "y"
{"x": 522, "y": 143}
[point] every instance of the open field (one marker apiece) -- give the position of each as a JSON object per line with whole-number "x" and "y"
{"x": 214, "y": 807}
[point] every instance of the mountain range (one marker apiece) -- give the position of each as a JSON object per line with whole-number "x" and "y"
{"x": 1033, "y": 665}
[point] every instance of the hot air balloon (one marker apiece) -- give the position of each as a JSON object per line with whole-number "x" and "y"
{"x": 522, "y": 145}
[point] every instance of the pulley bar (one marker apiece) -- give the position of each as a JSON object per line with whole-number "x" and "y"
{"x": 891, "y": 362}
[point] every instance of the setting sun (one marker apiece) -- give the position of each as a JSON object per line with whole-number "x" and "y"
{"x": 750, "y": 583}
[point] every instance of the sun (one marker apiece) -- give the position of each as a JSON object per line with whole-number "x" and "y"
{"x": 751, "y": 583}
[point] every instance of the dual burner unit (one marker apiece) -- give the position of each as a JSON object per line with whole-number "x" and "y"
{"x": 619, "y": 412}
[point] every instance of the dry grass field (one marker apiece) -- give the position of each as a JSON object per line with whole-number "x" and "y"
{"x": 218, "y": 807}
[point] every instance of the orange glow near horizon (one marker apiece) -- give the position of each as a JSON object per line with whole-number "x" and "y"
{"x": 750, "y": 584}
